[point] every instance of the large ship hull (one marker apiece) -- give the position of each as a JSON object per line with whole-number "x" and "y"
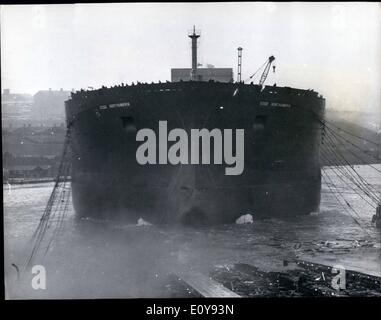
{"x": 281, "y": 175}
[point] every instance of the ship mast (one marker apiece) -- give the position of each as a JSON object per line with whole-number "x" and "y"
{"x": 194, "y": 36}
{"x": 239, "y": 69}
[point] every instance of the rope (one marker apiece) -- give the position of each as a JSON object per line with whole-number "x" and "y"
{"x": 257, "y": 71}
{"x": 352, "y": 134}
{"x": 348, "y": 141}
{"x": 51, "y": 209}
{"x": 335, "y": 135}
{"x": 356, "y": 177}
{"x": 325, "y": 177}
{"x": 348, "y": 185}
{"x": 338, "y": 159}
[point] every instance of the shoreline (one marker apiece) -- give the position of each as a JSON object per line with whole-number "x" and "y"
{"x": 30, "y": 181}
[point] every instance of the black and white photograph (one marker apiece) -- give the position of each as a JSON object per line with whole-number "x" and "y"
{"x": 191, "y": 150}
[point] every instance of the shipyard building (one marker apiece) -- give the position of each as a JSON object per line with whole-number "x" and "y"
{"x": 202, "y": 74}
{"x": 50, "y": 104}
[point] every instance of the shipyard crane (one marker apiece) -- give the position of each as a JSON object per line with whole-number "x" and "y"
{"x": 265, "y": 73}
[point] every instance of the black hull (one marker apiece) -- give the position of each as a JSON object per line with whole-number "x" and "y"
{"x": 281, "y": 175}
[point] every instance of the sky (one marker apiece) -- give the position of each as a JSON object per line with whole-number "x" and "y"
{"x": 333, "y": 48}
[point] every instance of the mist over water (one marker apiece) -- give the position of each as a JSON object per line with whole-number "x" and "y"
{"x": 111, "y": 259}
